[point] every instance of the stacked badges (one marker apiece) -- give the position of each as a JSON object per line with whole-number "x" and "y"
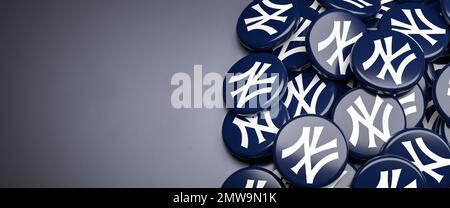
{"x": 341, "y": 93}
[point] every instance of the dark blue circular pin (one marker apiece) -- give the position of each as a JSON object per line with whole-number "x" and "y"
{"x": 441, "y": 94}
{"x": 389, "y": 171}
{"x": 252, "y": 177}
{"x": 293, "y": 51}
{"x": 265, "y": 24}
{"x": 309, "y": 93}
{"x": 421, "y": 23}
{"x": 445, "y": 6}
{"x": 368, "y": 121}
{"x": 251, "y": 137}
{"x": 427, "y": 151}
{"x": 330, "y": 42}
{"x": 254, "y": 83}
{"x": 310, "y": 151}
{"x": 387, "y": 61}
{"x": 364, "y": 9}
{"x": 413, "y": 104}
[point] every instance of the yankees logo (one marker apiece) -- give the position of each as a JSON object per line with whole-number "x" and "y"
{"x": 429, "y": 168}
{"x": 252, "y": 122}
{"x": 359, "y": 3}
{"x": 388, "y": 57}
{"x": 412, "y": 27}
{"x": 301, "y": 94}
{"x": 341, "y": 43}
{"x": 394, "y": 176}
{"x": 409, "y": 99}
{"x": 310, "y": 149}
{"x": 258, "y": 23}
{"x": 299, "y": 36}
{"x": 259, "y": 183}
{"x": 252, "y": 77}
{"x": 367, "y": 119}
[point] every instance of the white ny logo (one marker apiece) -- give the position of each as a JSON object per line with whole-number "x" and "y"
{"x": 438, "y": 161}
{"x": 253, "y": 78}
{"x": 297, "y": 37}
{"x": 310, "y": 149}
{"x": 413, "y": 29}
{"x": 395, "y": 176}
{"x": 316, "y": 6}
{"x": 257, "y": 23}
{"x": 411, "y": 98}
{"x": 252, "y": 122}
{"x": 388, "y": 57}
{"x": 259, "y": 183}
{"x": 368, "y": 121}
{"x": 341, "y": 44}
{"x": 302, "y": 93}
{"x": 383, "y": 9}
{"x": 359, "y": 3}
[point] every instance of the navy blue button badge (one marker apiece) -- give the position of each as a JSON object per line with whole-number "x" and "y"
{"x": 441, "y": 94}
{"x": 293, "y": 52}
{"x": 345, "y": 179}
{"x": 368, "y": 121}
{"x": 388, "y": 171}
{"x": 421, "y": 23}
{"x": 385, "y": 6}
{"x": 388, "y": 62}
{"x": 431, "y": 119}
{"x": 330, "y": 41}
{"x": 413, "y": 103}
{"x": 251, "y": 137}
{"x": 254, "y": 83}
{"x": 252, "y": 177}
{"x": 364, "y": 9}
{"x": 310, "y": 151}
{"x": 265, "y": 24}
{"x": 427, "y": 151}
{"x": 445, "y": 6}
{"x": 309, "y": 93}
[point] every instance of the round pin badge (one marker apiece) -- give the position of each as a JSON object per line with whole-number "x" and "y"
{"x": 330, "y": 41}
{"x": 441, "y": 94}
{"x": 265, "y": 24}
{"x": 309, "y": 93}
{"x": 413, "y": 104}
{"x": 254, "y": 83}
{"x": 252, "y": 177}
{"x": 421, "y": 23}
{"x": 368, "y": 121}
{"x": 310, "y": 151}
{"x": 293, "y": 51}
{"x": 389, "y": 171}
{"x": 251, "y": 137}
{"x": 364, "y": 9}
{"x": 387, "y": 61}
{"x": 427, "y": 151}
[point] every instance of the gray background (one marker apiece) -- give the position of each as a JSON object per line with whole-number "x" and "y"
{"x": 85, "y": 92}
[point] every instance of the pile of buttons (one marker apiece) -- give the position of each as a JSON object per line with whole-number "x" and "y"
{"x": 341, "y": 93}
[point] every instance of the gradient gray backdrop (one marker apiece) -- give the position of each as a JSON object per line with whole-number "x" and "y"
{"x": 85, "y": 92}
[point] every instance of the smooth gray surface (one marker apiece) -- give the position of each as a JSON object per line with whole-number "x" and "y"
{"x": 85, "y": 92}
